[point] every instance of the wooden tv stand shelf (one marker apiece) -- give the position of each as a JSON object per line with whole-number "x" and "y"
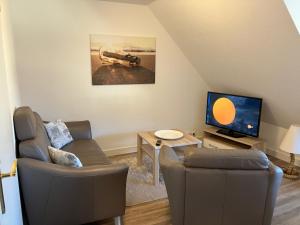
{"x": 212, "y": 139}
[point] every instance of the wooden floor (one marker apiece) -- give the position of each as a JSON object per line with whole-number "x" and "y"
{"x": 154, "y": 213}
{"x": 287, "y": 211}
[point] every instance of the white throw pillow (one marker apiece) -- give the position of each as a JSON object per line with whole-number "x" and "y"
{"x": 58, "y": 133}
{"x": 64, "y": 158}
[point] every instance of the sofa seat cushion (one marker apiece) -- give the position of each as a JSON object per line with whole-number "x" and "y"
{"x": 88, "y": 151}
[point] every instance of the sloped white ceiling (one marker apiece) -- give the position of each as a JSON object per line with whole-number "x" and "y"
{"x": 248, "y": 47}
{"x": 294, "y": 8}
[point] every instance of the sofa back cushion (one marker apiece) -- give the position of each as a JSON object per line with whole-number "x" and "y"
{"x": 231, "y": 197}
{"x": 235, "y": 159}
{"x": 231, "y": 185}
{"x": 25, "y": 123}
{"x": 32, "y": 135}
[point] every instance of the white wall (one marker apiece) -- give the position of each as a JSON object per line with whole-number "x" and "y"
{"x": 53, "y": 63}
{"x": 8, "y": 99}
{"x": 9, "y": 57}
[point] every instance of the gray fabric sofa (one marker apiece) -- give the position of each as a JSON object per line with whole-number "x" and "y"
{"x": 220, "y": 187}
{"x": 59, "y": 195}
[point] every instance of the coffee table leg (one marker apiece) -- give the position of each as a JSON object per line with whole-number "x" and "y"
{"x": 156, "y": 167}
{"x": 139, "y": 150}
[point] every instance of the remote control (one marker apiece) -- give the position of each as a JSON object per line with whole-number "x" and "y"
{"x": 158, "y": 142}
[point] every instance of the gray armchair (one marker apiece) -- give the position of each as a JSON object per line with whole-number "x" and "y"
{"x": 220, "y": 187}
{"x": 59, "y": 195}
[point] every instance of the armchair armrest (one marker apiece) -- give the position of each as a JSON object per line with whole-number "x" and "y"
{"x": 275, "y": 178}
{"x": 174, "y": 175}
{"x": 80, "y": 129}
{"x": 84, "y": 194}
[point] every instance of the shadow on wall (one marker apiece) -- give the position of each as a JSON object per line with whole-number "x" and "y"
{"x": 267, "y": 114}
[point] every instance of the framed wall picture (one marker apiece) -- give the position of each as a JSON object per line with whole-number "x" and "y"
{"x": 122, "y": 59}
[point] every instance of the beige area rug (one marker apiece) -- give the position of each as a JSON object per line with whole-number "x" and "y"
{"x": 139, "y": 181}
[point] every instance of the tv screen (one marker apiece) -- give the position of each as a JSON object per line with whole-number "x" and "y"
{"x": 235, "y": 113}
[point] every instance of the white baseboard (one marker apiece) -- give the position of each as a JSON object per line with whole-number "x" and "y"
{"x": 281, "y": 155}
{"x": 120, "y": 151}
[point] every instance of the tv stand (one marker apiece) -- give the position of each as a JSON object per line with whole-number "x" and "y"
{"x": 230, "y": 133}
{"x": 213, "y": 138}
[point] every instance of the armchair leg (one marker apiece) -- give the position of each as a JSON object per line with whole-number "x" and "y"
{"x": 119, "y": 220}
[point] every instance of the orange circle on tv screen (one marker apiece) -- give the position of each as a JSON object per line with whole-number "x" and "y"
{"x": 224, "y": 111}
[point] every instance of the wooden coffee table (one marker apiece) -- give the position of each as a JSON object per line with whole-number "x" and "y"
{"x": 146, "y": 144}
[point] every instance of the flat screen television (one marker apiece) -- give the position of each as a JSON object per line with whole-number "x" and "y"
{"x": 237, "y": 116}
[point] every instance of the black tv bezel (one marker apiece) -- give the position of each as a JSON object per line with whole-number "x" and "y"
{"x": 243, "y": 96}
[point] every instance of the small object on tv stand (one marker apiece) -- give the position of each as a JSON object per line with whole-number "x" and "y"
{"x": 158, "y": 142}
{"x": 230, "y": 133}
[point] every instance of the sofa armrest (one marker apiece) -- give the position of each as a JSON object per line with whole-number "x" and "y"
{"x": 80, "y": 129}
{"x": 84, "y": 194}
